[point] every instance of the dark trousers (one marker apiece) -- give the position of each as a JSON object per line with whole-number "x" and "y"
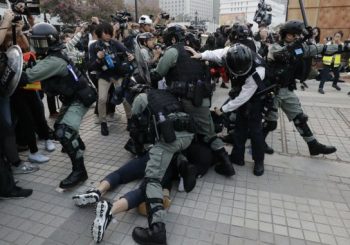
{"x": 51, "y": 103}
{"x": 249, "y": 123}
{"x": 29, "y": 112}
{"x": 134, "y": 170}
{"x": 7, "y": 134}
{"x": 325, "y": 75}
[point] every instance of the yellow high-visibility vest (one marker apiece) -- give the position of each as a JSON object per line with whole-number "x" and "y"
{"x": 334, "y": 59}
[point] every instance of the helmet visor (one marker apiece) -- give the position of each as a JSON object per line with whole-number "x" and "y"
{"x": 40, "y": 45}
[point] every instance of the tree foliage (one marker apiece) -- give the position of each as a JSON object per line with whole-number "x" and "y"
{"x": 71, "y": 11}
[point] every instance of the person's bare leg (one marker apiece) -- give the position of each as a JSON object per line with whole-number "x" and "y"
{"x": 103, "y": 187}
{"x": 121, "y": 205}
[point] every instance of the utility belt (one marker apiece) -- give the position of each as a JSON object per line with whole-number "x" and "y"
{"x": 194, "y": 91}
{"x": 179, "y": 121}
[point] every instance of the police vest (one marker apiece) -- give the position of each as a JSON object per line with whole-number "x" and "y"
{"x": 73, "y": 86}
{"x": 162, "y": 101}
{"x": 287, "y": 66}
{"x": 334, "y": 60}
{"x": 186, "y": 68}
{"x": 239, "y": 81}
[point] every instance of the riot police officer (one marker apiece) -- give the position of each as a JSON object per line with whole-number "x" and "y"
{"x": 284, "y": 59}
{"x": 159, "y": 112}
{"x": 248, "y": 72}
{"x": 58, "y": 76}
{"x": 189, "y": 79}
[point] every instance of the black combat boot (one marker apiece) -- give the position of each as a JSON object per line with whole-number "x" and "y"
{"x": 78, "y": 174}
{"x": 268, "y": 149}
{"x": 155, "y": 235}
{"x": 188, "y": 172}
{"x": 130, "y": 146}
{"x": 258, "y": 168}
{"x": 225, "y": 166}
{"x": 316, "y": 148}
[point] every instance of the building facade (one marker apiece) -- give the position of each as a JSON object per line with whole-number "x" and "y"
{"x": 243, "y": 11}
{"x": 185, "y": 10}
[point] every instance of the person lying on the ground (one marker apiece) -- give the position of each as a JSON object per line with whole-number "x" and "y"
{"x": 197, "y": 153}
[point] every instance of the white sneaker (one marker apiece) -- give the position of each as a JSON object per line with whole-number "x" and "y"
{"x": 90, "y": 197}
{"x": 102, "y": 220}
{"x": 37, "y": 158}
{"x": 50, "y": 146}
{"x": 24, "y": 168}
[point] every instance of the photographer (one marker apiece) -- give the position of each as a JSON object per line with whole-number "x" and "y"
{"x": 22, "y": 13}
{"x": 106, "y": 57}
{"x": 146, "y": 23}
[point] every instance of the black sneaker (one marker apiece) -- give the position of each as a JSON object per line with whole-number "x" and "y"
{"x": 90, "y": 197}
{"x": 320, "y": 90}
{"x": 104, "y": 129}
{"x": 102, "y": 220}
{"x": 17, "y": 192}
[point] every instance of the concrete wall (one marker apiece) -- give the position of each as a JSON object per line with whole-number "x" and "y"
{"x": 329, "y": 15}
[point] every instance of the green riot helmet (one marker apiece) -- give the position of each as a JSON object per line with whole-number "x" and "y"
{"x": 175, "y": 31}
{"x": 239, "y": 59}
{"x": 44, "y": 37}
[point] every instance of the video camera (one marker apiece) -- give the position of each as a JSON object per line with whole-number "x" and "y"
{"x": 122, "y": 17}
{"x": 30, "y": 8}
{"x": 165, "y": 16}
{"x": 261, "y": 15}
{"x": 159, "y": 29}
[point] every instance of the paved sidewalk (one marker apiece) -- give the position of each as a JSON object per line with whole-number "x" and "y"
{"x": 299, "y": 200}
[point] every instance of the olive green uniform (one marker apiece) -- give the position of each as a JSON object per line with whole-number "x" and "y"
{"x": 160, "y": 157}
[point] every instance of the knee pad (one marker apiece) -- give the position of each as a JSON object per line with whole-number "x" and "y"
{"x": 300, "y": 119}
{"x": 300, "y": 122}
{"x": 153, "y": 204}
{"x": 67, "y": 137}
{"x": 269, "y": 126}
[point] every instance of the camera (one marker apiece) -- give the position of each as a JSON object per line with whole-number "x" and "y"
{"x": 122, "y": 17}
{"x": 30, "y": 7}
{"x": 159, "y": 29}
{"x": 165, "y": 16}
{"x": 261, "y": 15}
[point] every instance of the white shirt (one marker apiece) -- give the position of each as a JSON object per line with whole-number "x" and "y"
{"x": 248, "y": 90}
{"x": 249, "y": 87}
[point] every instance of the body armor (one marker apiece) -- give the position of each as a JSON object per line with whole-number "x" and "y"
{"x": 72, "y": 86}
{"x": 239, "y": 81}
{"x": 189, "y": 78}
{"x": 287, "y": 66}
{"x": 164, "y": 115}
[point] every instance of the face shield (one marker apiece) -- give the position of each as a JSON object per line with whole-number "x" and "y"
{"x": 39, "y": 44}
